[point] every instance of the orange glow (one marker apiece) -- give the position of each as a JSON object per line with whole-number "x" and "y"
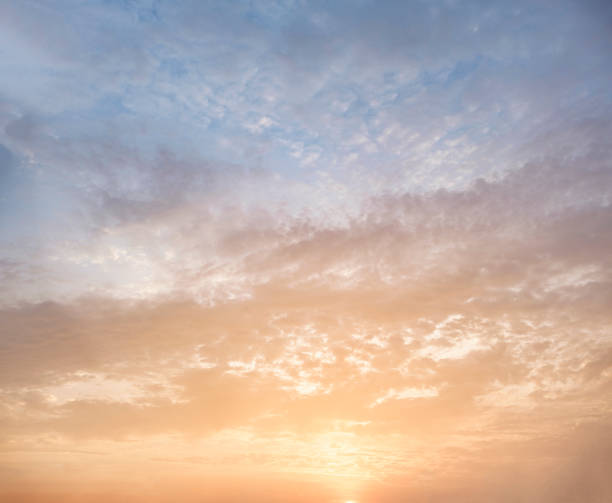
{"x": 281, "y": 251}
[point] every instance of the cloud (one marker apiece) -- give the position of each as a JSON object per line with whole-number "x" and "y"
{"x": 352, "y": 242}
{"x": 455, "y": 291}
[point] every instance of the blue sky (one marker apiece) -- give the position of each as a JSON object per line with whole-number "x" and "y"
{"x": 308, "y": 106}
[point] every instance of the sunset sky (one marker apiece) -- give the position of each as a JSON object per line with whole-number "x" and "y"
{"x": 282, "y": 251}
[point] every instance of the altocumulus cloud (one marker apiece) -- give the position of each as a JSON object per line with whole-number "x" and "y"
{"x": 335, "y": 252}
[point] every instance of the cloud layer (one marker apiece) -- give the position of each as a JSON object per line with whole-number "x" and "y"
{"x": 287, "y": 251}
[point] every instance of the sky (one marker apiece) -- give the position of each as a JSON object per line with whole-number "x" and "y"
{"x": 304, "y": 251}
